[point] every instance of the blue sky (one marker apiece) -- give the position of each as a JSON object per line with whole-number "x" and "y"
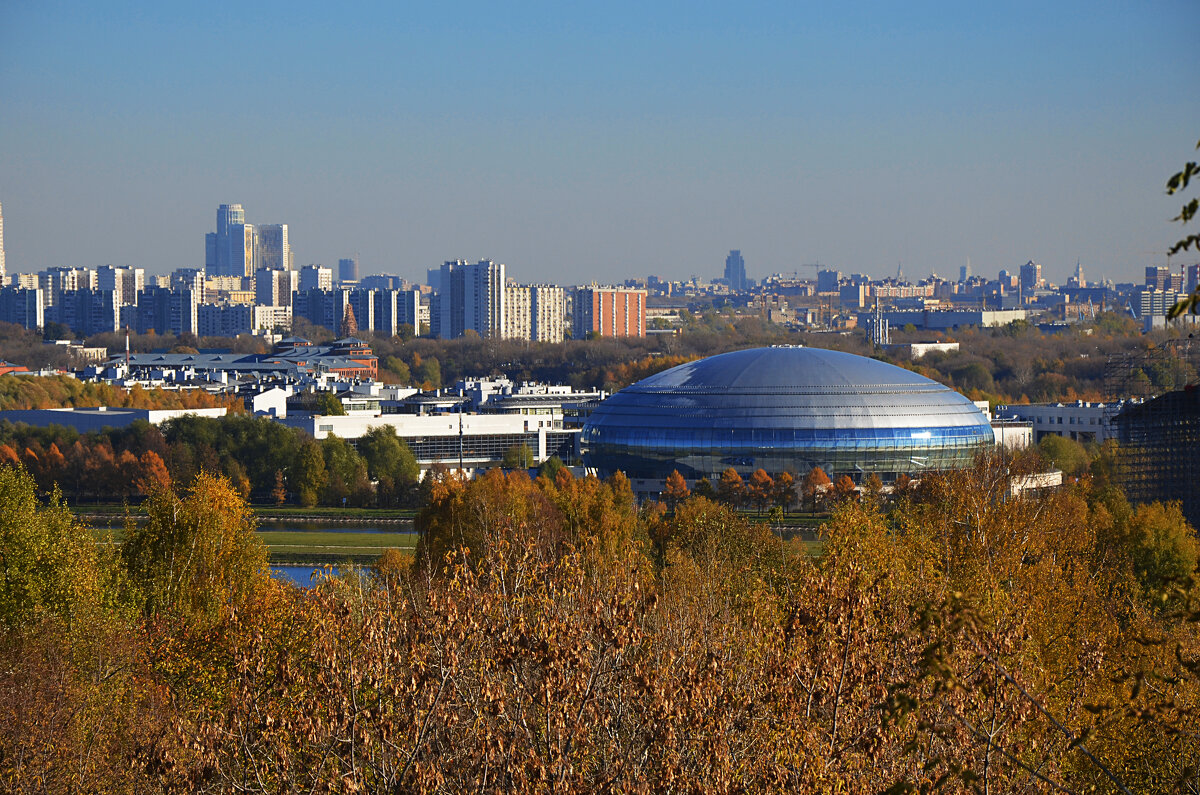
{"x": 601, "y": 141}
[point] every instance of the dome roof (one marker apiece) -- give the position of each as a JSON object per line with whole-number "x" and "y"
{"x": 784, "y": 408}
{"x": 792, "y": 387}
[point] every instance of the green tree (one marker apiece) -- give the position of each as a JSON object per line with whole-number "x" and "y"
{"x": 307, "y": 475}
{"x": 519, "y": 456}
{"x": 197, "y": 555}
{"x": 396, "y": 366}
{"x": 347, "y": 480}
{"x": 1162, "y": 545}
{"x": 329, "y": 405}
{"x": 49, "y": 561}
{"x": 1065, "y": 454}
{"x": 429, "y": 371}
{"x": 388, "y": 456}
{"x": 551, "y": 467}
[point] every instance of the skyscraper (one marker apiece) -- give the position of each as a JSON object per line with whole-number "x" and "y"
{"x": 273, "y": 249}
{"x": 348, "y": 269}
{"x": 1031, "y": 277}
{"x": 238, "y": 248}
{"x": 735, "y": 271}
{"x": 471, "y": 298}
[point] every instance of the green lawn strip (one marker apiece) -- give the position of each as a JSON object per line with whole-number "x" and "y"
{"x": 348, "y": 539}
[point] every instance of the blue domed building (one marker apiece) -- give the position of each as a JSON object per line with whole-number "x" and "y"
{"x": 784, "y": 409}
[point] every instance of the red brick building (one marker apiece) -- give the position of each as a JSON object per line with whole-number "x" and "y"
{"x": 610, "y": 312}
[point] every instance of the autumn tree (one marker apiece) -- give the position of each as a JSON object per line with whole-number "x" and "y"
{"x": 760, "y": 489}
{"x": 675, "y": 490}
{"x": 152, "y": 474}
{"x": 731, "y": 489}
{"x": 816, "y": 483}
{"x": 279, "y": 492}
{"x": 197, "y": 554}
{"x": 844, "y": 489}
{"x": 785, "y": 491}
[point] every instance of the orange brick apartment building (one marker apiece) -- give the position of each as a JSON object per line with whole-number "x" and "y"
{"x": 610, "y": 312}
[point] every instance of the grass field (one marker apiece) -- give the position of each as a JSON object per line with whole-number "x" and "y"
{"x": 300, "y": 547}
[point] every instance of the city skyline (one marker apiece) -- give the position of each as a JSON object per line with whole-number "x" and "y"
{"x": 573, "y": 143}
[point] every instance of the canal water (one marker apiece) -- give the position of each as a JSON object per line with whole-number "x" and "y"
{"x": 303, "y": 576}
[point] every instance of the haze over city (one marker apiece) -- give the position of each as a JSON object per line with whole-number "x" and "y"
{"x": 606, "y": 142}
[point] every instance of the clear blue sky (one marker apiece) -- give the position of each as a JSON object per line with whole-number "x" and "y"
{"x": 600, "y": 141}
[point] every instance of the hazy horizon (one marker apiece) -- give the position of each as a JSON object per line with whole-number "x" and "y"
{"x": 602, "y": 143}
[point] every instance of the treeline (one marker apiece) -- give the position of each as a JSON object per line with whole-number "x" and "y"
{"x": 265, "y": 461}
{"x": 60, "y": 391}
{"x": 552, "y": 634}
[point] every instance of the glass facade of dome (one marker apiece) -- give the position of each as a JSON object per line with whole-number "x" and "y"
{"x": 784, "y": 409}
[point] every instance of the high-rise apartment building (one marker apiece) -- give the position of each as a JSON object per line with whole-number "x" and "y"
{"x": 274, "y": 287}
{"x": 22, "y": 306}
{"x": 87, "y": 311}
{"x": 548, "y": 306}
{"x": 362, "y": 302}
{"x": 230, "y": 320}
{"x": 322, "y": 307}
{"x": 166, "y": 311}
{"x": 735, "y": 271}
{"x": 471, "y": 298}
{"x": 188, "y": 279}
{"x": 1193, "y": 277}
{"x": 125, "y": 283}
{"x": 348, "y": 269}
{"x": 609, "y": 312}
{"x": 56, "y": 281}
{"x": 316, "y": 277}
{"x": 518, "y": 322}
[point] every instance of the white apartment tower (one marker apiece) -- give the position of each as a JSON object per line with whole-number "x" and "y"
{"x": 548, "y": 312}
{"x": 471, "y": 298}
{"x": 274, "y": 287}
{"x": 125, "y": 283}
{"x": 518, "y": 322}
